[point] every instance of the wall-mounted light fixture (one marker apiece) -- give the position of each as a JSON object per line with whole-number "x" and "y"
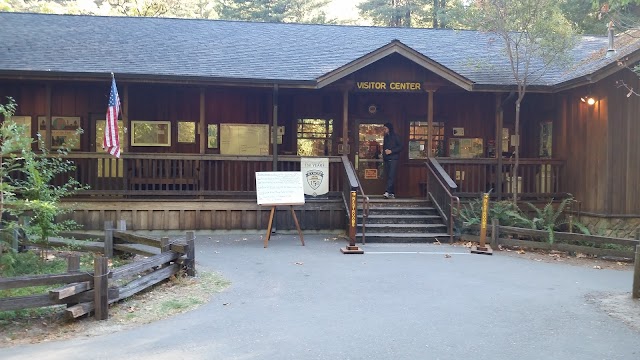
{"x": 590, "y": 100}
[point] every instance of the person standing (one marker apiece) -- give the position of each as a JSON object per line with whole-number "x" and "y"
{"x": 392, "y": 145}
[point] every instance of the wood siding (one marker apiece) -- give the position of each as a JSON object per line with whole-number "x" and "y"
{"x": 599, "y": 143}
{"x": 206, "y": 215}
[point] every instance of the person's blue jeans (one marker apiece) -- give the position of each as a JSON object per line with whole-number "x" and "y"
{"x": 390, "y": 168}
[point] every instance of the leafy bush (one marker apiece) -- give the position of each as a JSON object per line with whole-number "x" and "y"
{"x": 505, "y": 211}
{"x": 26, "y": 182}
{"x": 508, "y": 213}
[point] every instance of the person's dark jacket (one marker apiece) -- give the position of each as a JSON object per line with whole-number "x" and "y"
{"x": 392, "y": 142}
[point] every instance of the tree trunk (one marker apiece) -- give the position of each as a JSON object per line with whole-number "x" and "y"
{"x": 436, "y": 4}
{"x": 514, "y": 175}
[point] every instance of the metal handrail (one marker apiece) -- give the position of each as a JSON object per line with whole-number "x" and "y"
{"x": 439, "y": 174}
{"x": 355, "y": 184}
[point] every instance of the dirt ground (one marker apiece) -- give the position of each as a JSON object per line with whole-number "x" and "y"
{"x": 185, "y": 294}
{"x": 178, "y": 295}
{"x": 561, "y": 256}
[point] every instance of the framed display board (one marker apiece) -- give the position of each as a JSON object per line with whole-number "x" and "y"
{"x": 64, "y": 131}
{"x": 150, "y": 133}
{"x": 466, "y": 148}
{"x": 244, "y": 139}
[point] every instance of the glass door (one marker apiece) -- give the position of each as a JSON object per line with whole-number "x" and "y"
{"x": 368, "y": 162}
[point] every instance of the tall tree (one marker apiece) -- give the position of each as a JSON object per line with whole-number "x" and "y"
{"x": 299, "y": 11}
{"x": 532, "y": 31}
{"x": 149, "y": 8}
{"x": 37, "y": 6}
{"x": 592, "y": 17}
{"x": 393, "y": 13}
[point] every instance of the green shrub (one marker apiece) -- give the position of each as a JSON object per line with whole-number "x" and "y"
{"x": 548, "y": 218}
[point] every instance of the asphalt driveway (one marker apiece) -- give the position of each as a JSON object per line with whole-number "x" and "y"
{"x": 394, "y": 302}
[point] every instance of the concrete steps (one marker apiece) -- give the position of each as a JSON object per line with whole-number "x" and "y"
{"x": 402, "y": 221}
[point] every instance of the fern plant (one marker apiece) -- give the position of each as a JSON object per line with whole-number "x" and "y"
{"x": 550, "y": 219}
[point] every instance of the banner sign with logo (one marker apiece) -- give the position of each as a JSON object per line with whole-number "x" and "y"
{"x": 315, "y": 175}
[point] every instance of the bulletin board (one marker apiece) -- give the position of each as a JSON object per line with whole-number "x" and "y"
{"x": 244, "y": 139}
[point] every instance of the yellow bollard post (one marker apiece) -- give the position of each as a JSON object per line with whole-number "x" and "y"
{"x": 483, "y": 248}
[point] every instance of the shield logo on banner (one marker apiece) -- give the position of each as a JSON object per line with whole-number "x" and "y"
{"x": 314, "y": 178}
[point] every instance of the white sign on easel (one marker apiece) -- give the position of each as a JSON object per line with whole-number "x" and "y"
{"x": 315, "y": 173}
{"x": 279, "y": 188}
{"x": 276, "y": 188}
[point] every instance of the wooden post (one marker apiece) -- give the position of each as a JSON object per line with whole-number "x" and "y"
{"x": 191, "y": 253}
{"x": 122, "y": 225}
{"x": 73, "y": 263}
{"x": 430, "y": 124}
{"x": 499, "y": 124}
{"x": 16, "y": 240}
{"x": 73, "y": 266}
{"x": 164, "y": 244}
{"x": 635, "y": 292}
{"x": 108, "y": 239}
{"x": 274, "y": 129}
{"x": 101, "y": 287}
{"x": 570, "y": 223}
{"x": 345, "y": 122}
{"x": 494, "y": 233}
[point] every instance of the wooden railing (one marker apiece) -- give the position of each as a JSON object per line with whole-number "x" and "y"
{"x": 440, "y": 187}
{"x": 536, "y": 177}
{"x": 195, "y": 175}
{"x": 351, "y": 178}
{"x": 142, "y": 175}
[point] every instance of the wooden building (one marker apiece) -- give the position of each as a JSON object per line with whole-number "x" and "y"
{"x": 202, "y": 102}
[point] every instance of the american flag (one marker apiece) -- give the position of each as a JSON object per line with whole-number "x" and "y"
{"x": 111, "y": 140}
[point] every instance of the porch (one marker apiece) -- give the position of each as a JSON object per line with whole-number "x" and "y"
{"x": 216, "y": 192}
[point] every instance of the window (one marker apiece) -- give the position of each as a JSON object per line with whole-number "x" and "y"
{"x": 314, "y": 137}
{"x": 150, "y": 133}
{"x": 186, "y": 132}
{"x": 212, "y": 136}
{"x": 418, "y": 138}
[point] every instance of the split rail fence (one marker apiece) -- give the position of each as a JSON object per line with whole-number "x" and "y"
{"x": 571, "y": 242}
{"x": 84, "y": 292}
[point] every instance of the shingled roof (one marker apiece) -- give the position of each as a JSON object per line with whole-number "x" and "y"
{"x": 255, "y": 52}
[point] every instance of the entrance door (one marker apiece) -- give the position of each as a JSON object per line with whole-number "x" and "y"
{"x": 368, "y": 160}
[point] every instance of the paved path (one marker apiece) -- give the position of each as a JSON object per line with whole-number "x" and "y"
{"x": 312, "y": 302}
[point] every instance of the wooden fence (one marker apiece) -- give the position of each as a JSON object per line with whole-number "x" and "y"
{"x": 84, "y": 292}
{"x": 566, "y": 242}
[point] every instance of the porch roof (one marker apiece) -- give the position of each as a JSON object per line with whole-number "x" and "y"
{"x": 302, "y": 54}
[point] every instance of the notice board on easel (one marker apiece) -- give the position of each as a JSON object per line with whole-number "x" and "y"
{"x": 279, "y": 188}
{"x": 244, "y": 139}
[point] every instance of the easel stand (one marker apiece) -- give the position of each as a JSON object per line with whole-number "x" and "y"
{"x": 295, "y": 219}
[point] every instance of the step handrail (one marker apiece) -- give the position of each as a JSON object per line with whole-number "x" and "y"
{"x": 445, "y": 185}
{"x": 355, "y": 185}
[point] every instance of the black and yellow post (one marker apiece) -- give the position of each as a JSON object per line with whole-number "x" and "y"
{"x": 483, "y": 248}
{"x": 353, "y": 223}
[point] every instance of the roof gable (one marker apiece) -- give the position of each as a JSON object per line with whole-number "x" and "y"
{"x": 394, "y": 47}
